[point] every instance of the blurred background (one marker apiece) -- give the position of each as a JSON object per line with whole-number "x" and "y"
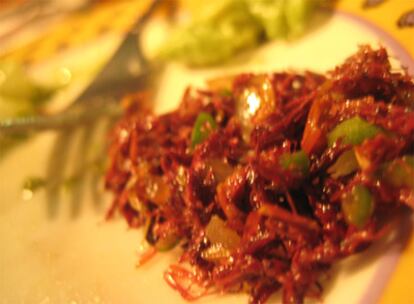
{"x": 51, "y": 190}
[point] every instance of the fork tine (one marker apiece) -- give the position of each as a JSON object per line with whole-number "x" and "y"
{"x": 95, "y": 182}
{"x": 126, "y": 80}
{"x": 79, "y": 173}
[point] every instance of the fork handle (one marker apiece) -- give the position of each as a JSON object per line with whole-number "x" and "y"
{"x": 136, "y": 28}
{"x": 126, "y": 62}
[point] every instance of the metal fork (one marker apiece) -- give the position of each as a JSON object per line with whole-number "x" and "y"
{"x": 88, "y": 116}
{"x": 132, "y": 72}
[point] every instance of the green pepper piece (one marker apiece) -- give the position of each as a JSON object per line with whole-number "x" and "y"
{"x": 164, "y": 243}
{"x": 400, "y": 172}
{"x": 352, "y": 131}
{"x": 203, "y": 127}
{"x": 344, "y": 165}
{"x": 358, "y": 206}
{"x": 297, "y": 161}
{"x": 167, "y": 243}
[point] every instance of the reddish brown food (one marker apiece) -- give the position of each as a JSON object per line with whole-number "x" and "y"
{"x": 268, "y": 182}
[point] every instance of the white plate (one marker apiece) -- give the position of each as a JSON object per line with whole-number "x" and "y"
{"x": 84, "y": 259}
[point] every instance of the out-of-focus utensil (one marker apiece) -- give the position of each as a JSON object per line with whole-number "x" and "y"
{"x": 126, "y": 71}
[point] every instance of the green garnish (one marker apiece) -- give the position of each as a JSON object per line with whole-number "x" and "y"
{"x": 236, "y": 25}
{"x": 352, "y": 131}
{"x": 399, "y": 172}
{"x": 297, "y": 12}
{"x": 167, "y": 243}
{"x": 358, "y": 206}
{"x": 203, "y": 127}
{"x": 271, "y": 16}
{"x": 296, "y": 161}
{"x": 344, "y": 165}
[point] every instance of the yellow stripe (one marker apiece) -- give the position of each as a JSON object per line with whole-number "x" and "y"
{"x": 399, "y": 289}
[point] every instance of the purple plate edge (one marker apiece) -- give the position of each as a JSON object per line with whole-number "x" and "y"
{"x": 398, "y": 50}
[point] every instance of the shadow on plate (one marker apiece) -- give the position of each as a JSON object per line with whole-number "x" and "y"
{"x": 385, "y": 251}
{"x": 75, "y": 169}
